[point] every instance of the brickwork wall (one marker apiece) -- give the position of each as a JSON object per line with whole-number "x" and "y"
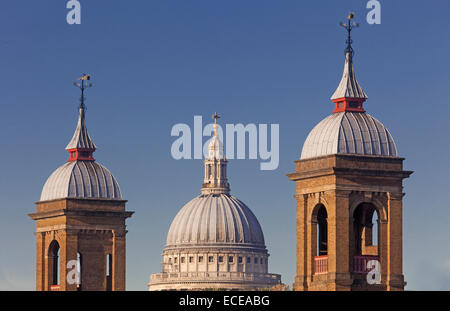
{"x": 93, "y": 228}
{"x": 342, "y": 183}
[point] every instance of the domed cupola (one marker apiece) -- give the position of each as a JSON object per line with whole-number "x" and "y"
{"x": 81, "y": 176}
{"x": 349, "y": 130}
{"x": 215, "y": 240}
{"x": 349, "y": 191}
{"x": 81, "y": 221}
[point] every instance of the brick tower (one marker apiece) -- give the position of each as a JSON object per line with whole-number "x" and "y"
{"x": 80, "y": 221}
{"x": 349, "y": 197}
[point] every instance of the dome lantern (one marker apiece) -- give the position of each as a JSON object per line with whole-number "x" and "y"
{"x": 215, "y": 166}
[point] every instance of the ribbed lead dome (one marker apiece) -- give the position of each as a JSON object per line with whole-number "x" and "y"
{"x": 349, "y": 133}
{"x": 81, "y": 179}
{"x": 215, "y": 219}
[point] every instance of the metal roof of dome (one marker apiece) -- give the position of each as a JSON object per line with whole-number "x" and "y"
{"x": 349, "y": 133}
{"x": 81, "y": 179}
{"x": 215, "y": 219}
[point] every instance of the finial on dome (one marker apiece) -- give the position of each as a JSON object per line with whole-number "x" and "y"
{"x": 349, "y": 27}
{"x": 349, "y": 96}
{"x": 81, "y": 146}
{"x": 82, "y": 86}
{"x": 215, "y": 116}
{"x": 215, "y": 145}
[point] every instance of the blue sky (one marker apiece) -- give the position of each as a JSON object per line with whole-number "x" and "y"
{"x": 158, "y": 63}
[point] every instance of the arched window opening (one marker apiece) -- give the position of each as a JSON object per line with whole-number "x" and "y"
{"x": 365, "y": 226}
{"x": 109, "y": 272}
{"x": 54, "y": 263}
{"x": 322, "y": 232}
{"x": 321, "y": 251}
{"x": 366, "y": 236}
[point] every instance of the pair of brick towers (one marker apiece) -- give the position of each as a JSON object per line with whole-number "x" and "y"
{"x": 349, "y": 207}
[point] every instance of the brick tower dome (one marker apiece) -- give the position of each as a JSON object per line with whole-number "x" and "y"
{"x": 349, "y": 190}
{"x": 80, "y": 221}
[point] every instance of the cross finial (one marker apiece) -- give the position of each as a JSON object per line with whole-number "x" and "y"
{"x": 215, "y": 116}
{"x": 349, "y": 27}
{"x": 82, "y": 86}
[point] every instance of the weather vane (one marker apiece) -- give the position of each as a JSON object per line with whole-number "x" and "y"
{"x": 82, "y": 86}
{"x": 349, "y": 26}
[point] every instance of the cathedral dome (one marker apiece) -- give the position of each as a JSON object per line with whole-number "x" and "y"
{"x": 349, "y": 133}
{"x": 81, "y": 179}
{"x": 215, "y": 219}
{"x": 215, "y": 241}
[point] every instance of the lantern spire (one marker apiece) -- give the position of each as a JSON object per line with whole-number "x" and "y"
{"x": 349, "y": 96}
{"x": 81, "y": 147}
{"x": 215, "y": 180}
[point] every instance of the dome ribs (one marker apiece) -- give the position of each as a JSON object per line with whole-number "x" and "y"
{"x": 215, "y": 219}
{"x": 80, "y": 179}
{"x": 351, "y": 133}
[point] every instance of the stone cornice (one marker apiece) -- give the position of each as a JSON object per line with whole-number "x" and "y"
{"x": 76, "y": 229}
{"x": 215, "y": 248}
{"x": 213, "y": 277}
{"x": 354, "y": 157}
{"x": 79, "y": 212}
{"x": 339, "y": 171}
{"x": 84, "y": 200}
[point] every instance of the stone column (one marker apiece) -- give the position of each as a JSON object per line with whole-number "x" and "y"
{"x": 68, "y": 253}
{"x": 40, "y": 261}
{"x": 338, "y": 237}
{"x": 395, "y": 279}
{"x": 300, "y": 281}
{"x": 119, "y": 263}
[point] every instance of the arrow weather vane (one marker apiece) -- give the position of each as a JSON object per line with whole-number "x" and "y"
{"x": 82, "y": 86}
{"x": 349, "y": 27}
